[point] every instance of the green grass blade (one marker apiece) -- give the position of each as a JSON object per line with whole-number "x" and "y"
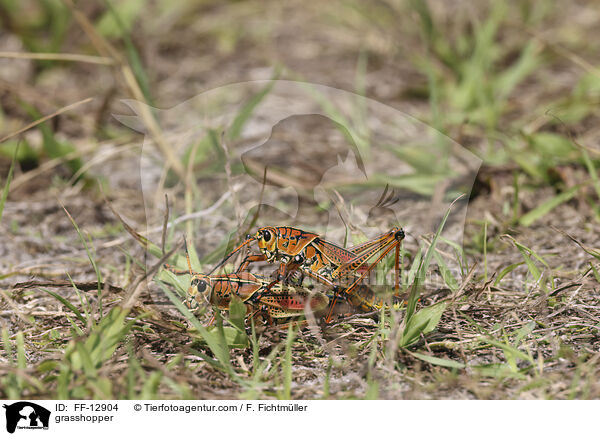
{"x": 596, "y": 272}
{"x": 589, "y": 164}
{"x": 68, "y": 304}
{"x": 84, "y": 304}
{"x": 90, "y": 257}
{"x": 85, "y": 360}
{"x": 237, "y": 315}
{"x": 506, "y": 271}
{"x": 53, "y": 147}
{"x": 150, "y": 388}
{"x": 523, "y": 332}
{"x": 533, "y": 269}
{"x": 246, "y": 111}
{"x": 21, "y": 359}
{"x": 7, "y": 346}
{"x": 132, "y": 54}
{"x": 412, "y": 272}
{"x": 527, "y": 254}
{"x": 438, "y": 361}
{"x": 287, "y": 363}
{"x": 446, "y": 272}
{"x": 532, "y": 216}
{"x": 509, "y": 350}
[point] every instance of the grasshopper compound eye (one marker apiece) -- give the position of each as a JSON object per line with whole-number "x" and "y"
{"x": 266, "y": 235}
{"x": 399, "y": 235}
{"x": 201, "y": 286}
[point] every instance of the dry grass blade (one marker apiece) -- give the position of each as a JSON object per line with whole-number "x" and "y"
{"x": 589, "y": 250}
{"x": 464, "y": 284}
{"x": 151, "y": 123}
{"x": 47, "y": 117}
{"x": 69, "y": 57}
{"x": 563, "y": 288}
{"x": 136, "y": 287}
{"x": 165, "y": 223}
{"x": 49, "y": 165}
{"x": 15, "y": 307}
{"x": 144, "y": 242}
{"x": 228, "y": 173}
{"x": 181, "y": 219}
{"x": 568, "y": 54}
{"x": 82, "y": 286}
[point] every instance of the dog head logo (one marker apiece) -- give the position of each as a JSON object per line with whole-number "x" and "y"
{"x": 26, "y": 415}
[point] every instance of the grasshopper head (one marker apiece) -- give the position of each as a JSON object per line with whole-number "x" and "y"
{"x": 266, "y": 238}
{"x": 399, "y": 233}
{"x": 199, "y": 290}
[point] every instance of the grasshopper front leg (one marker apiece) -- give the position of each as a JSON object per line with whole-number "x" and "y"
{"x": 284, "y": 271}
{"x": 249, "y": 259}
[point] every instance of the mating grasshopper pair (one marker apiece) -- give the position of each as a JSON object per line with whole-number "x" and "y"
{"x": 339, "y": 268}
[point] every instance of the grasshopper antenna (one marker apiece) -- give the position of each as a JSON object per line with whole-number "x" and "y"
{"x": 238, "y": 248}
{"x": 187, "y": 254}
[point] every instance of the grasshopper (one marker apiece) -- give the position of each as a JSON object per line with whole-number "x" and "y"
{"x": 281, "y": 301}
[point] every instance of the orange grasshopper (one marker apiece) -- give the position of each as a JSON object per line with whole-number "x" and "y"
{"x": 323, "y": 260}
{"x": 280, "y": 301}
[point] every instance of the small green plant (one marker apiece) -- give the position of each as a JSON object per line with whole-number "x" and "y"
{"x": 477, "y": 89}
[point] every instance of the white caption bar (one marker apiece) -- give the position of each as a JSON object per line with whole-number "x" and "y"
{"x": 307, "y": 418}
